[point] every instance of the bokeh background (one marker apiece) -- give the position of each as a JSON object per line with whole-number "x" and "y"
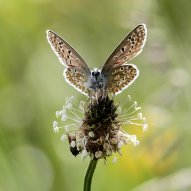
{"x": 32, "y": 88}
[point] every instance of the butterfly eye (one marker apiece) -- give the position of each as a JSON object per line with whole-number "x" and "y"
{"x": 97, "y": 73}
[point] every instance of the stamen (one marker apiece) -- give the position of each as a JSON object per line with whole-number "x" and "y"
{"x": 127, "y": 114}
{"x": 135, "y": 117}
{"x": 84, "y": 154}
{"x": 56, "y": 129}
{"x": 120, "y": 144}
{"x": 133, "y": 123}
{"x": 145, "y": 127}
{"x": 114, "y": 159}
{"x": 132, "y": 106}
{"x": 64, "y": 117}
{"x": 73, "y": 144}
{"x": 126, "y": 101}
{"x": 64, "y": 137}
{"x": 76, "y": 115}
{"x": 78, "y": 110}
{"x": 75, "y": 120}
{"x": 55, "y": 124}
{"x": 58, "y": 113}
{"x": 67, "y": 128}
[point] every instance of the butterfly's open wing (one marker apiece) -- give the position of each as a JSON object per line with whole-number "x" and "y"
{"x": 66, "y": 54}
{"x": 77, "y": 71}
{"x": 118, "y": 74}
{"x": 77, "y": 78}
{"x": 129, "y": 48}
{"x": 121, "y": 77}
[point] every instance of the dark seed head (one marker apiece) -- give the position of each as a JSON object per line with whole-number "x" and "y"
{"x": 101, "y": 119}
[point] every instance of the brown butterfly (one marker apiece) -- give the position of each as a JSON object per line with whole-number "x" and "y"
{"x": 115, "y": 75}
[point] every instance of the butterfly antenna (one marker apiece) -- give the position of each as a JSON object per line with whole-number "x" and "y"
{"x": 100, "y": 67}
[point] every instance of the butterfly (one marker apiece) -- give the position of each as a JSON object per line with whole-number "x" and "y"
{"x": 114, "y": 76}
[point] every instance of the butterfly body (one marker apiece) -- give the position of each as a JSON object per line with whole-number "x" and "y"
{"x": 96, "y": 82}
{"x": 115, "y": 75}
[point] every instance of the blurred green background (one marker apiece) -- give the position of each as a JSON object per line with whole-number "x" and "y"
{"x": 32, "y": 88}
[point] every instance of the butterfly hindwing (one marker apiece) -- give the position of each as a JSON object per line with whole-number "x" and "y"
{"x": 77, "y": 78}
{"x": 121, "y": 77}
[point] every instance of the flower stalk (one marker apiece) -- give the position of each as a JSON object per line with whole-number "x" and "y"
{"x": 89, "y": 174}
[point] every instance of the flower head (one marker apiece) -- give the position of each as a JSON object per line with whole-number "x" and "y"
{"x": 94, "y": 128}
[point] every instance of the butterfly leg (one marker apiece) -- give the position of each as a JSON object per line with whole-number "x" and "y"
{"x": 96, "y": 96}
{"x": 89, "y": 94}
{"x": 104, "y": 92}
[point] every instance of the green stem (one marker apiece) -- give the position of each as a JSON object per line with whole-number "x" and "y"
{"x": 89, "y": 174}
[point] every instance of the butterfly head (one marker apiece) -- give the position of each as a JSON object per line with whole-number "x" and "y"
{"x": 95, "y": 73}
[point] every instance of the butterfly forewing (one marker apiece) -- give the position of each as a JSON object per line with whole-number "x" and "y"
{"x": 66, "y": 54}
{"x": 77, "y": 71}
{"x": 129, "y": 48}
{"x": 121, "y": 77}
